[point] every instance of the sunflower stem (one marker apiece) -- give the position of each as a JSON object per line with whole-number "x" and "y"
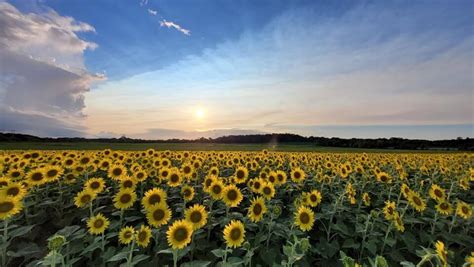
{"x": 175, "y": 257}
{"x": 386, "y": 236}
{"x": 130, "y": 254}
{"x": 452, "y": 223}
{"x": 269, "y": 229}
{"x": 434, "y": 223}
{"x": 5, "y": 238}
{"x": 90, "y": 209}
{"x": 225, "y": 254}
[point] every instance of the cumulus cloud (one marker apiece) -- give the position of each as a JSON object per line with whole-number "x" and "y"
{"x": 42, "y": 73}
{"x": 152, "y": 12}
{"x": 170, "y": 24}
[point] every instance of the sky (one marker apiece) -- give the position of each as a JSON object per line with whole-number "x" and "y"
{"x": 160, "y": 69}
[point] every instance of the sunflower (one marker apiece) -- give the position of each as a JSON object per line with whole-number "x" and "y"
{"x": 268, "y": 190}
{"x": 405, "y": 190}
{"x": 232, "y": 195}
{"x": 389, "y": 210}
{"x": 463, "y": 210}
{"x": 124, "y": 199}
{"x": 117, "y": 171}
{"x": 196, "y": 215}
{"x": 304, "y": 218}
{"x": 437, "y": 193}
{"x": 126, "y": 235}
{"x": 128, "y": 182}
{"x": 9, "y": 206}
{"x": 256, "y": 184}
{"x": 187, "y": 192}
{"x": 140, "y": 175}
{"x": 96, "y": 185}
{"x": 384, "y": 177}
{"x": 4, "y": 181}
{"x": 215, "y": 190}
{"x": 187, "y": 169}
{"x": 297, "y": 175}
{"x": 52, "y": 173}
{"x": 15, "y": 174}
{"x": 97, "y": 224}
{"x": 257, "y": 209}
{"x": 442, "y": 253}
{"x": 314, "y": 198}
{"x": 143, "y": 236}
{"x": 179, "y": 234}
{"x": 416, "y": 201}
{"x": 234, "y": 234}
{"x": 366, "y": 199}
{"x": 444, "y": 208}
{"x": 470, "y": 260}
{"x": 398, "y": 223}
{"x": 241, "y": 174}
{"x": 36, "y": 177}
{"x": 174, "y": 178}
{"x": 281, "y": 177}
{"x": 158, "y": 215}
{"x": 84, "y": 197}
{"x": 154, "y": 196}
{"x": 15, "y": 190}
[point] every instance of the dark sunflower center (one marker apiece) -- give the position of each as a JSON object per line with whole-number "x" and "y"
{"x": 256, "y": 185}
{"x": 240, "y": 174}
{"x": 390, "y": 210}
{"x": 15, "y": 174}
{"x": 85, "y": 160}
{"x": 174, "y": 178}
{"x": 6, "y": 206}
{"x": 438, "y": 193}
{"x": 444, "y": 206}
{"x": 13, "y": 191}
{"x": 271, "y": 179}
{"x": 125, "y": 198}
{"x": 313, "y": 198}
{"x": 383, "y": 178}
{"x": 158, "y": 214}
{"x": 196, "y": 216}
{"x": 208, "y": 182}
{"x": 297, "y": 175}
{"x": 140, "y": 175}
{"x": 417, "y": 201}
{"x": 232, "y": 195}
{"x": 95, "y": 185}
{"x": 216, "y": 189}
{"x": 117, "y": 172}
{"x": 235, "y": 234}
{"x": 187, "y": 192}
{"x": 98, "y": 223}
{"x": 37, "y": 176}
{"x": 257, "y": 209}
{"x": 127, "y": 183}
{"x": 85, "y": 198}
{"x": 3, "y": 183}
{"x": 465, "y": 210}
{"x": 127, "y": 234}
{"x": 267, "y": 190}
{"x": 304, "y": 218}
{"x": 280, "y": 177}
{"x": 164, "y": 173}
{"x": 142, "y": 236}
{"x": 52, "y": 173}
{"x": 187, "y": 169}
{"x": 180, "y": 234}
{"x": 154, "y": 199}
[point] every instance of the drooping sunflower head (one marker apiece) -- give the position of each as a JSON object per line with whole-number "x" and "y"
{"x": 153, "y": 197}
{"x": 197, "y": 216}
{"x": 126, "y": 235}
{"x": 143, "y": 236}
{"x": 232, "y": 195}
{"x": 304, "y": 218}
{"x": 125, "y": 198}
{"x": 398, "y": 223}
{"x": 158, "y": 215}
{"x": 257, "y": 209}
{"x": 179, "y": 234}
{"x": 234, "y": 233}
{"x": 366, "y": 199}
{"x": 97, "y": 224}
{"x": 389, "y": 210}
{"x": 85, "y": 197}
{"x": 441, "y": 253}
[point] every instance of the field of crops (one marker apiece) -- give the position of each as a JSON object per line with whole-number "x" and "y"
{"x": 215, "y": 208}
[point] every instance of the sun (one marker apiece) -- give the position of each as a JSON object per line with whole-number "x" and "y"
{"x": 200, "y": 113}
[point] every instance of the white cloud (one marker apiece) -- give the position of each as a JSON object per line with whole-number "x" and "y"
{"x": 42, "y": 72}
{"x": 170, "y": 24}
{"x": 152, "y": 12}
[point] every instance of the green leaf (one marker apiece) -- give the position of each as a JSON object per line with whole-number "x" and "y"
{"x": 380, "y": 261}
{"x": 139, "y": 258}
{"x": 349, "y": 243}
{"x": 30, "y": 248}
{"x": 196, "y": 264}
{"x": 20, "y": 231}
{"x": 235, "y": 261}
{"x": 118, "y": 257}
{"x": 218, "y": 252}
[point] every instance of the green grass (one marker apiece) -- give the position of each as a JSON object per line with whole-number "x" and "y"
{"x": 184, "y": 146}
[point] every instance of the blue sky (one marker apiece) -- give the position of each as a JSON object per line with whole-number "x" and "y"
{"x": 162, "y": 69}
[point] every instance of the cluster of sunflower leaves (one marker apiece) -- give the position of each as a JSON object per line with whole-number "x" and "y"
{"x": 211, "y": 208}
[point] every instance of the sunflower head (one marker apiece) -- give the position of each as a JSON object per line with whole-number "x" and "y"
{"x": 158, "y": 215}
{"x": 143, "y": 236}
{"x": 463, "y": 210}
{"x": 96, "y": 185}
{"x": 232, "y": 195}
{"x": 197, "y": 216}
{"x": 234, "y": 234}
{"x": 437, "y": 193}
{"x": 125, "y": 198}
{"x": 441, "y": 253}
{"x": 85, "y": 197}
{"x": 126, "y": 235}
{"x": 97, "y": 224}
{"x": 304, "y": 218}
{"x": 179, "y": 234}
{"x": 268, "y": 190}
{"x": 257, "y": 209}
{"x": 153, "y": 197}
{"x": 187, "y": 192}
{"x": 9, "y": 206}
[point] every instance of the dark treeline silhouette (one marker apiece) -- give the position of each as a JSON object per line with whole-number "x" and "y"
{"x": 379, "y": 143}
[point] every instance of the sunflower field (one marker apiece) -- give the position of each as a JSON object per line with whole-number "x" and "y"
{"x": 210, "y": 208}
